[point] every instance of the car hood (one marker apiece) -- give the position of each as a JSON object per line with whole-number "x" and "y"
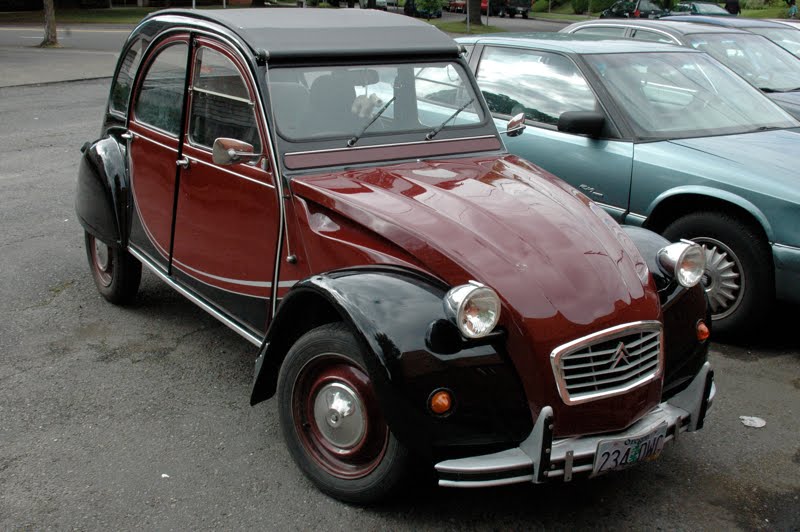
{"x": 763, "y": 153}
{"x": 548, "y": 251}
{"x": 789, "y": 101}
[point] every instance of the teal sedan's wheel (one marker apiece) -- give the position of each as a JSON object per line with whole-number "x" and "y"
{"x": 739, "y": 273}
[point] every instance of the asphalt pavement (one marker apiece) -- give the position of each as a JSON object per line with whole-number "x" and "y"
{"x": 122, "y": 418}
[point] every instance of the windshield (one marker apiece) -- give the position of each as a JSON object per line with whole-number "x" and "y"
{"x": 753, "y": 57}
{"x": 367, "y": 105}
{"x": 785, "y": 38}
{"x": 674, "y": 94}
{"x": 709, "y": 9}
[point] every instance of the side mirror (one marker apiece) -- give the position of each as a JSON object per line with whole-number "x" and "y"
{"x": 582, "y": 123}
{"x": 231, "y": 151}
{"x": 516, "y": 125}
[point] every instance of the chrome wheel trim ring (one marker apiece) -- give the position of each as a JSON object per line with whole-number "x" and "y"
{"x": 723, "y": 279}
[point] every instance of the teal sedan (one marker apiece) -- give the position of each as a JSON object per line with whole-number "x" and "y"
{"x": 666, "y": 138}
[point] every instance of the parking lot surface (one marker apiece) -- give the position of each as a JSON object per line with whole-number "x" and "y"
{"x": 138, "y": 417}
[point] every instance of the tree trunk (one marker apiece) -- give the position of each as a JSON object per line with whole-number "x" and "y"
{"x": 475, "y": 13}
{"x": 50, "y": 35}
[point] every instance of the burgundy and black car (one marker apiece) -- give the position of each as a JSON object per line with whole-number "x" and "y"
{"x": 331, "y": 186}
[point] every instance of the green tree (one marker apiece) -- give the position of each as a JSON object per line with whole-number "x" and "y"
{"x": 50, "y": 35}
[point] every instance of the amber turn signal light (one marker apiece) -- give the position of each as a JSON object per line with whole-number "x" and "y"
{"x": 441, "y": 402}
{"x": 702, "y": 331}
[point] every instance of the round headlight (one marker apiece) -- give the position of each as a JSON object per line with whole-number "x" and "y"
{"x": 474, "y": 308}
{"x": 685, "y": 261}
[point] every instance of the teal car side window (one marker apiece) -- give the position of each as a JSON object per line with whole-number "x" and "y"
{"x": 542, "y": 85}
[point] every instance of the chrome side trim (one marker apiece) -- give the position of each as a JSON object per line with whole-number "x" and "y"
{"x": 260, "y": 284}
{"x": 784, "y": 246}
{"x": 247, "y": 335}
{"x": 356, "y": 148}
{"x": 607, "y": 334}
{"x": 637, "y": 218}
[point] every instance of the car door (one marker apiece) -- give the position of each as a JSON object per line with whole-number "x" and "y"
{"x": 155, "y": 126}
{"x": 227, "y": 215}
{"x": 543, "y": 85}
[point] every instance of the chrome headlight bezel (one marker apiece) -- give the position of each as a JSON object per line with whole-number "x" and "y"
{"x": 684, "y": 261}
{"x": 456, "y": 302}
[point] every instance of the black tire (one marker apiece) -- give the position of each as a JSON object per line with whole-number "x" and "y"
{"x": 356, "y": 460}
{"x": 525, "y": 15}
{"x": 116, "y": 272}
{"x": 739, "y": 277}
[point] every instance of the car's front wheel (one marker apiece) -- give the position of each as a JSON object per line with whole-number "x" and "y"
{"x": 331, "y": 420}
{"x": 116, "y": 272}
{"x": 739, "y": 277}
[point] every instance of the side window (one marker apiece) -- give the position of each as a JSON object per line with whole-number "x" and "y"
{"x": 602, "y": 31}
{"x": 221, "y": 104}
{"x": 541, "y": 84}
{"x": 644, "y": 35}
{"x": 122, "y": 84}
{"x": 161, "y": 94}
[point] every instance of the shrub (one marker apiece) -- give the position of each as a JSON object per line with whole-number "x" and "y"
{"x": 580, "y": 6}
{"x": 540, "y": 6}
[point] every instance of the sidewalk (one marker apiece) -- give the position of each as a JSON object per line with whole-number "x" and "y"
{"x": 87, "y": 52}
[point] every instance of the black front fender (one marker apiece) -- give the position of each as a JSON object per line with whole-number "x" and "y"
{"x": 398, "y": 317}
{"x": 102, "y": 196}
{"x": 681, "y": 309}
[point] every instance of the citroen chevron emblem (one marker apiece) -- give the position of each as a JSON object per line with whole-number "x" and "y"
{"x": 619, "y": 355}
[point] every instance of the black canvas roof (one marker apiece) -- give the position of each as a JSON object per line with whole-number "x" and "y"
{"x": 325, "y": 33}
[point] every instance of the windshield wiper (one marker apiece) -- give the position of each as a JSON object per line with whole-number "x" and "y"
{"x": 438, "y": 128}
{"x": 352, "y": 141}
{"x": 769, "y": 90}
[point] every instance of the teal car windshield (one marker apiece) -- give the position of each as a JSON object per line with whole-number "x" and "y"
{"x": 674, "y": 94}
{"x": 753, "y": 57}
{"x": 329, "y": 102}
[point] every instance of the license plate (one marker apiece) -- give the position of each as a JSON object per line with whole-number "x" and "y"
{"x": 625, "y": 452}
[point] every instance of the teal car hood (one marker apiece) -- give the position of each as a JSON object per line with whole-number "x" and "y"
{"x": 772, "y": 156}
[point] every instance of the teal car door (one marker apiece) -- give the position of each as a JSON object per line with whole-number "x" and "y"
{"x": 543, "y": 85}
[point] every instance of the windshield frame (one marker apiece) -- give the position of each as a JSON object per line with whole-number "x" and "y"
{"x": 640, "y": 134}
{"x": 481, "y": 136}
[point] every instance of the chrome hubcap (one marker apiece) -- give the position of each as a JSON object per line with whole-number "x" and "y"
{"x": 723, "y": 279}
{"x": 339, "y": 415}
{"x": 101, "y": 255}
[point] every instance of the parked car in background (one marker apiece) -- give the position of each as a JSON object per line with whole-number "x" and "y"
{"x": 666, "y": 138}
{"x": 782, "y": 35}
{"x": 699, "y": 8}
{"x": 414, "y": 9}
{"x": 416, "y": 293}
{"x": 635, "y": 9}
{"x": 379, "y": 4}
{"x": 764, "y": 64}
{"x": 456, "y": 6}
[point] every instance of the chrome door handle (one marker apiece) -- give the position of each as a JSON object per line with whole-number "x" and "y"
{"x": 127, "y": 136}
{"x": 184, "y": 162}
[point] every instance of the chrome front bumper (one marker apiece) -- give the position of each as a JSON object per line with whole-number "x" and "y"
{"x": 541, "y": 459}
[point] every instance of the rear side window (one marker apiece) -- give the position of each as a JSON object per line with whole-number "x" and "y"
{"x": 542, "y": 85}
{"x": 644, "y": 35}
{"x": 221, "y": 104}
{"x": 122, "y": 84}
{"x": 160, "y": 98}
{"x": 603, "y": 31}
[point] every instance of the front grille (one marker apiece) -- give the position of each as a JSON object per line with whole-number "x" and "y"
{"x": 608, "y": 362}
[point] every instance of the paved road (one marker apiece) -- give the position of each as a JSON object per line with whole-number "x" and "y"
{"x": 127, "y": 418}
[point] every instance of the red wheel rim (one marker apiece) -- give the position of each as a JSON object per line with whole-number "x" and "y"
{"x": 102, "y": 261}
{"x": 336, "y": 417}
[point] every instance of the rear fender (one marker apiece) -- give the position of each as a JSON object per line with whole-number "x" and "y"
{"x": 102, "y": 198}
{"x": 412, "y": 350}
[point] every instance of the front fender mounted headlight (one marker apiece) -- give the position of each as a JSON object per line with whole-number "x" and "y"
{"x": 474, "y": 308}
{"x": 685, "y": 261}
